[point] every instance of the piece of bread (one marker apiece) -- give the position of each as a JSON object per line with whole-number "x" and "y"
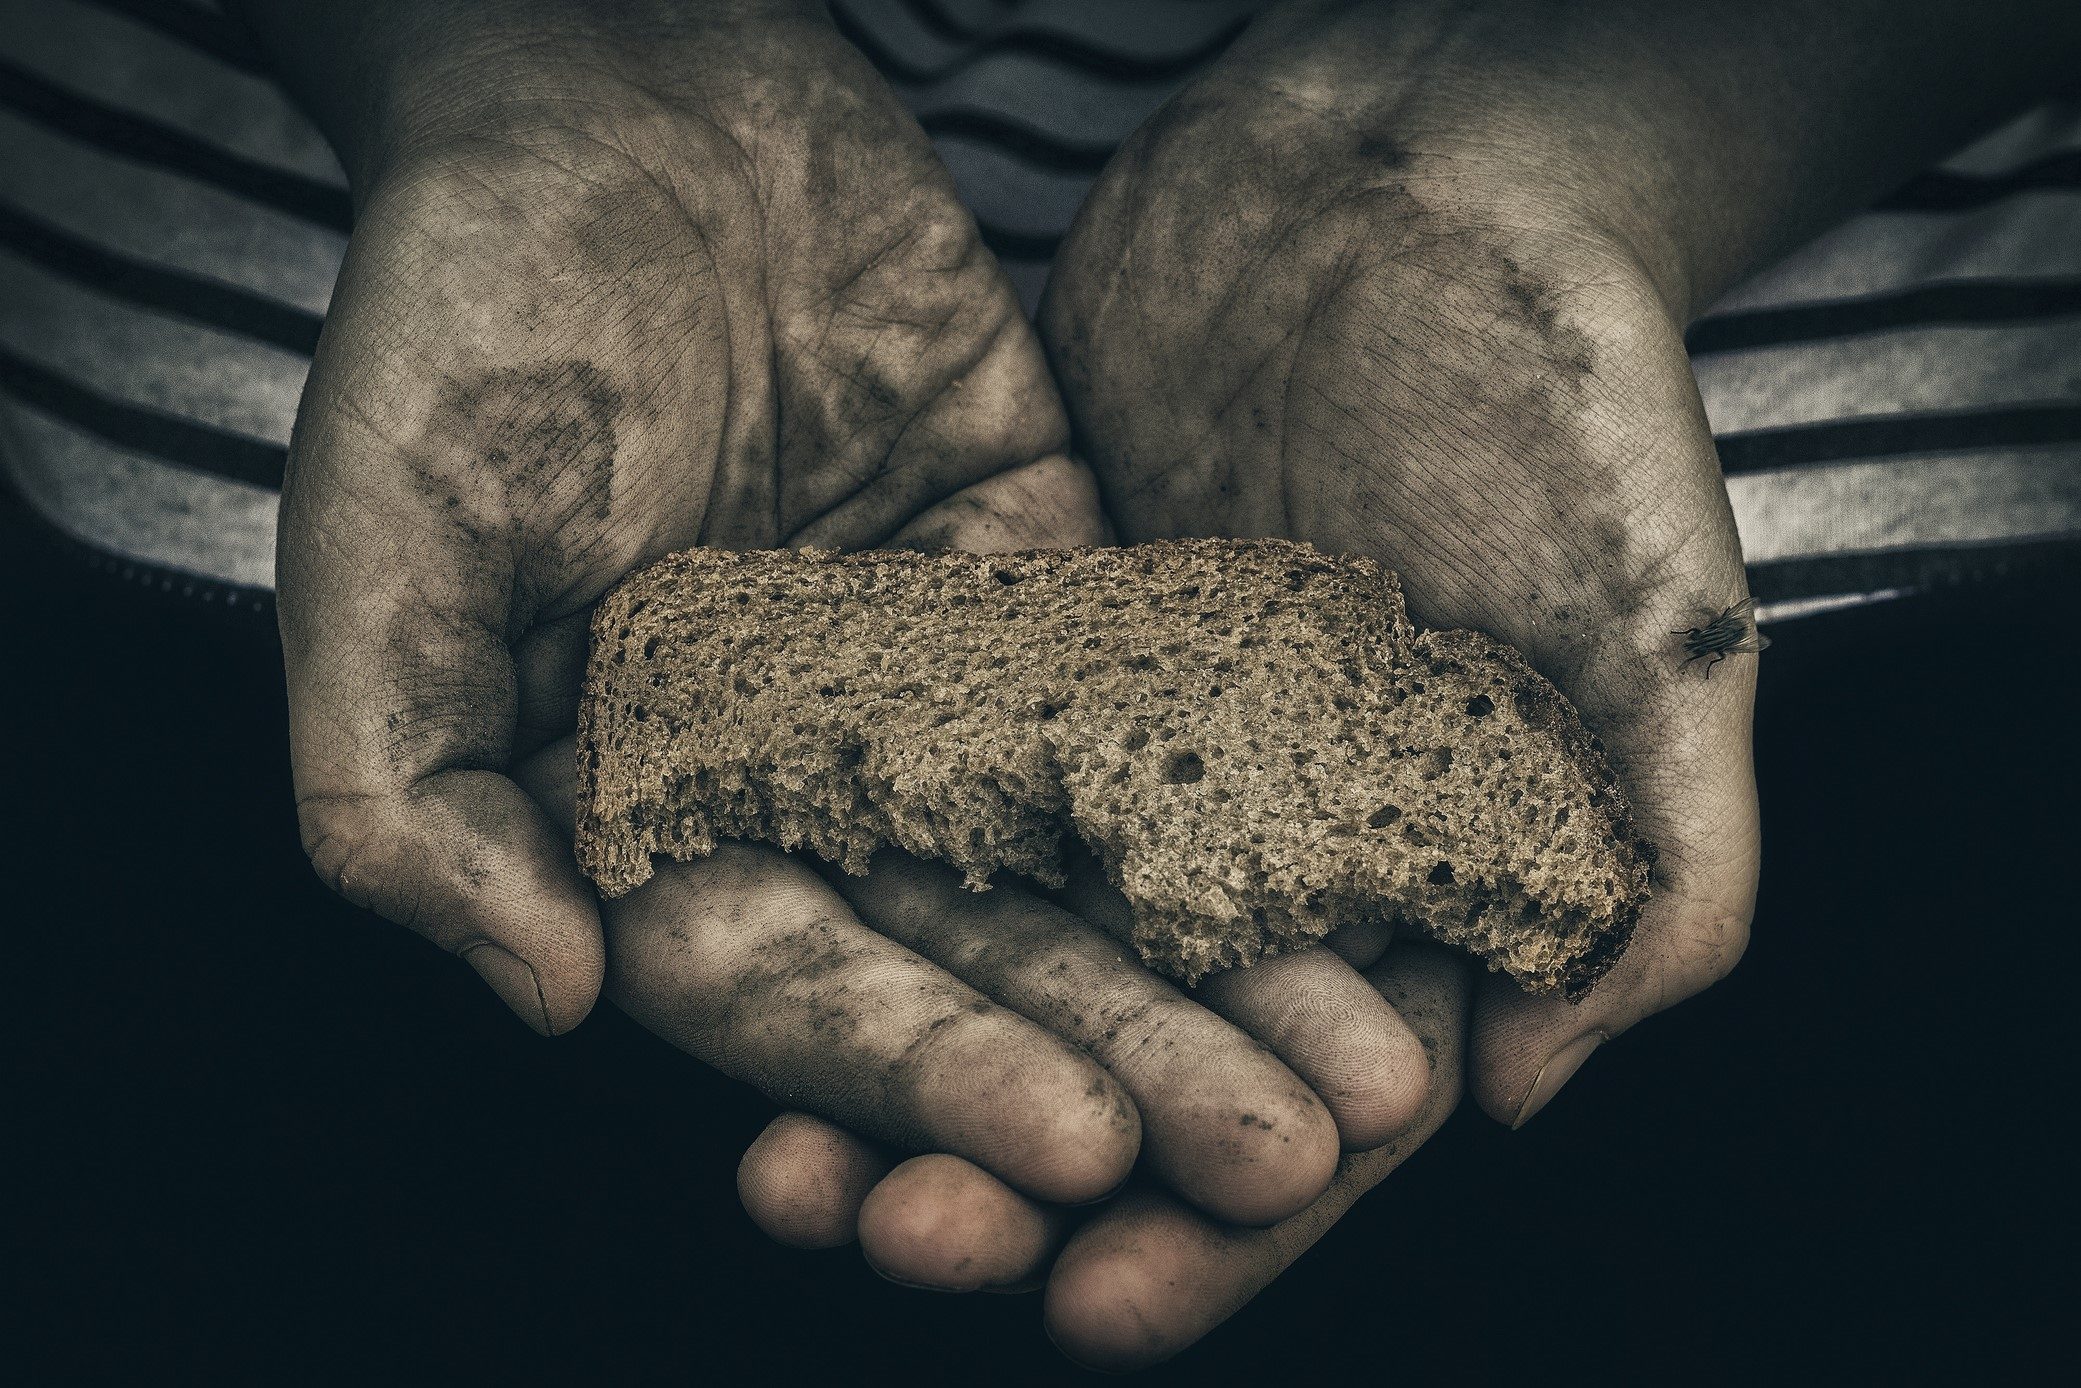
{"x": 1250, "y": 736}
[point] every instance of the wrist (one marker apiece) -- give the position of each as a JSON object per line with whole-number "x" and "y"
{"x": 1436, "y": 112}
{"x": 1702, "y": 136}
{"x": 392, "y": 78}
{"x": 1360, "y": 144}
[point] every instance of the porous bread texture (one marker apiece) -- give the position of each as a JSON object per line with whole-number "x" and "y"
{"x": 1250, "y": 735}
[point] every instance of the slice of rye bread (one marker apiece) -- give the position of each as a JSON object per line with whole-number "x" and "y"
{"x": 1251, "y": 736}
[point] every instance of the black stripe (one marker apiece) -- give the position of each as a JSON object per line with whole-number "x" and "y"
{"x": 934, "y": 19}
{"x": 1975, "y": 301}
{"x": 1843, "y": 439}
{"x": 141, "y": 428}
{"x": 148, "y": 141}
{"x": 208, "y": 31}
{"x": 1059, "y": 48}
{"x": 194, "y": 297}
{"x": 1919, "y": 567}
{"x": 1020, "y": 140}
{"x": 1005, "y": 244}
{"x": 1942, "y": 191}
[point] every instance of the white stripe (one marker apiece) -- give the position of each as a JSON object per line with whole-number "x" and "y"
{"x": 2045, "y": 130}
{"x": 2014, "y": 495}
{"x": 139, "y": 508}
{"x": 2026, "y": 236}
{"x": 1791, "y": 609}
{"x": 166, "y": 219}
{"x": 1909, "y": 371}
{"x": 135, "y": 355}
{"x": 130, "y": 66}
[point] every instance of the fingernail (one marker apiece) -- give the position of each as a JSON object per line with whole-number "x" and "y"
{"x": 1557, "y": 1071}
{"x": 511, "y": 978}
{"x": 1100, "y": 1199}
{"x": 1018, "y": 1288}
{"x": 1110, "y": 1372}
{"x": 888, "y": 1276}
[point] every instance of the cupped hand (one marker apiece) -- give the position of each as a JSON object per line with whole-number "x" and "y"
{"x": 604, "y": 302}
{"x": 1315, "y": 300}
{"x": 607, "y": 299}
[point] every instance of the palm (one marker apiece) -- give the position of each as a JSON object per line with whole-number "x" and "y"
{"x": 575, "y": 332}
{"x": 598, "y": 345}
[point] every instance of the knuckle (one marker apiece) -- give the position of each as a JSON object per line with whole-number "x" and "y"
{"x": 344, "y": 840}
{"x": 1706, "y": 951}
{"x": 336, "y": 840}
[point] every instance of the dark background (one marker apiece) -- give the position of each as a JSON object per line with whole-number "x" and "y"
{"x": 259, "y": 1133}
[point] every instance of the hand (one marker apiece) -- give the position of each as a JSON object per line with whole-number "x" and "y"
{"x": 1294, "y": 309}
{"x": 614, "y": 294}
{"x": 604, "y": 301}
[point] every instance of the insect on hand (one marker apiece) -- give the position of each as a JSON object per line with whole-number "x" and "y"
{"x": 1732, "y": 632}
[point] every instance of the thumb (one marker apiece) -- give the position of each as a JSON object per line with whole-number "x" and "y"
{"x": 403, "y": 699}
{"x": 1689, "y": 766}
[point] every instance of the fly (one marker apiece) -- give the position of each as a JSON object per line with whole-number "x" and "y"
{"x": 1733, "y": 632}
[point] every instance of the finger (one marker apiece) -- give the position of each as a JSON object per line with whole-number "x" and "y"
{"x": 1526, "y": 1048}
{"x": 1362, "y": 943}
{"x": 1148, "y": 1276}
{"x": 1043, "y": 505}
{"x": 942, "y": 1223}
{"x": 747, "y": 960}
{"x": 549, "y": 666}
{"x": 1692, "y": 932}
{"x": 1319, "y": 1015}
{"x": 1226, "y": 1124}
{"x": 803, "y": 1181}
{"x": 1312, "y": 1009}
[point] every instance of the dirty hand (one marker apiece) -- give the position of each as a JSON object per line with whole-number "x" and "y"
{"x": 1388, "y": 347}
{"x": 627, "y": 279}
{"x": 1408, "y": 279}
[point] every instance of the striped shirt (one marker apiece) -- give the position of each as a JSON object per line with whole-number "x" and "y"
{"x": 1897, "y": 404}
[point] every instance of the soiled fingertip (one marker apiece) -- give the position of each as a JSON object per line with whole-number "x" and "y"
{"x": 1080, "y": 1149}
{"x": 1254, "y": 1164}
{"x": 803, "y": 1181}
{"x": 514, "y": 980}
{"x": 1028, "y": 1107}
{"x": 1379, "y": 1086}
{"x": 1361, "y": 943}
{"x": 943, "y": 1223}
{"x": 1335, "y": 1031}
{"x": 1132, "y": 1294}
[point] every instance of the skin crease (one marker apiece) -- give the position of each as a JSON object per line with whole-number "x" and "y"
{"x": 697, "y": 279}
